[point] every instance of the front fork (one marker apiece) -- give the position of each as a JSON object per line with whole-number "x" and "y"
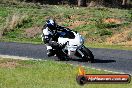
{"x": 79, "y": 52}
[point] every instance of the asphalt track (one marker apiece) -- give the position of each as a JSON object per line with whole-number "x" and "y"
{"x": 106, "y": 59}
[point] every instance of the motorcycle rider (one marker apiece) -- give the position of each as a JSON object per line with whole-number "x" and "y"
{"x": 50, "y": 36}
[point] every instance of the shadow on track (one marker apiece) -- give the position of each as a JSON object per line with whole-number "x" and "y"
{"x": 104, "y": 61}
{"x": 96, "y": 61}
{"x": 76, "y": 59}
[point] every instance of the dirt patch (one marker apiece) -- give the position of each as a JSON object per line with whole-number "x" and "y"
{"x": 112, "y": 20}
{"x": 76, "y": 24}
{"x": 128, "y": 43}
{"x": 13, "y": 64}
{"x": 94, "y": 40}
{"x": 84, "y": 33}
{"x": 9, "y": 64}
{"x": 32, "y": 32}
{"x": 120, "y": 38}
{"x": 74, "y": 17}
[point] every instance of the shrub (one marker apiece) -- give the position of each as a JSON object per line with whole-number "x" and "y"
{"x": 130, "y": 15}
{"x": 67, "y": 16}
{"x": 103, "y": 32}
{"x": 100, "y": 24}
{"x": 129, "y": 36}
{"x": 16, "y": 21}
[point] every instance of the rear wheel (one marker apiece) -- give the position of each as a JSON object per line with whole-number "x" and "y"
{"x": 88, "y": 56}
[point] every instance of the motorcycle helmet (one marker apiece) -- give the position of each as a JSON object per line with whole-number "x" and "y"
{"x": 51, "y": 24}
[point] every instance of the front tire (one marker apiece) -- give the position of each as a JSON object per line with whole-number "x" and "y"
{"x": 88, "y": 56}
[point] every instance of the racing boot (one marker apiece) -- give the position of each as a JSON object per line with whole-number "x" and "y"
{"x": 62, "y": 46}
{"x": 50, "y": 53}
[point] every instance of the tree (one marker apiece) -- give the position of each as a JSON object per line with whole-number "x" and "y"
{"x": 126, "y": 2}
{"x": 93, "y": 3}
{"x": 82, "y": 3}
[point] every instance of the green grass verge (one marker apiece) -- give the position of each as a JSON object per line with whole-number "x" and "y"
{"x": 45, "y": 74}
{"x": 101, "y": 45}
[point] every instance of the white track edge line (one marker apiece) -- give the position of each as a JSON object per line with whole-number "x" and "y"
{"x": 27, "y": 58}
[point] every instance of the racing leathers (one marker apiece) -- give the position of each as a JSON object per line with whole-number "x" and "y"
{"x": 50, "y": 38}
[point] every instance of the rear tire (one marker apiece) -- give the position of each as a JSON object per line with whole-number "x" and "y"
{"x": 88, "y": 56}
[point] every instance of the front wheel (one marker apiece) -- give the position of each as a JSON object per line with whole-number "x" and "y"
{"x": 88, "y": 56}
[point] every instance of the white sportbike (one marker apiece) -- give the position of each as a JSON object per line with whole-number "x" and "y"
{"x": 74, "y": 46}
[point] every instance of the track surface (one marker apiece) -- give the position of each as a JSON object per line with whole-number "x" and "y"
{"x": 114, "y": 60}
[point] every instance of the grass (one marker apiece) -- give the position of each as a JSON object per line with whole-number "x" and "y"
{"x": 117, "y": 47}
{"x": 15, "y": 19}
{"x": 45, "y": 74}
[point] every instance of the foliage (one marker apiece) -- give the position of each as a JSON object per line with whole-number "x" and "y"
{"x": 103, "y": 32}
{"x": 112, "y": 3}
{"x": 129, "y": 36}
{"x": 16, "y": 21}
{"x": 100, "y": 24}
